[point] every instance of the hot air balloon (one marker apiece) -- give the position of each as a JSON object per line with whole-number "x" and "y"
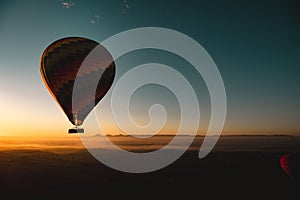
{"x": 63, "y": 63}
{"x": 290, "y": 163}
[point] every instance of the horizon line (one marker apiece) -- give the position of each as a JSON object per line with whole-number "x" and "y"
{"x": 125, "y": 135}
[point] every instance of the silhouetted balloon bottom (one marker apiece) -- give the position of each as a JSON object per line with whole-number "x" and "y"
{"x": 76, "y": 130}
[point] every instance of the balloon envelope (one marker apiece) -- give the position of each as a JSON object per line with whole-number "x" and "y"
{"x": 290, "y": 163}
{"x": 59, "y": 67}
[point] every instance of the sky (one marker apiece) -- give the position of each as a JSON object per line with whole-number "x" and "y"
{"x": 255, "y": 45}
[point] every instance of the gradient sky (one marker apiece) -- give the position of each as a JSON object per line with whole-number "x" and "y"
{"x": 255, "y": 45}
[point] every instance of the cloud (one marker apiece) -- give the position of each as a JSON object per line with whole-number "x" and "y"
{"x": 126, "y": 4}
{"x": 67, "y": 4}
{"x": 126, "y": 7}
{"x": 95, "y": 19}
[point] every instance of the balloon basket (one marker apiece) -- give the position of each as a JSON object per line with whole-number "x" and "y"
{"x": 76, "y": 130}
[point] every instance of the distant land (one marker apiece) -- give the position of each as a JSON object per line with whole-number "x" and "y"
{"x": 246, "y": 166}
